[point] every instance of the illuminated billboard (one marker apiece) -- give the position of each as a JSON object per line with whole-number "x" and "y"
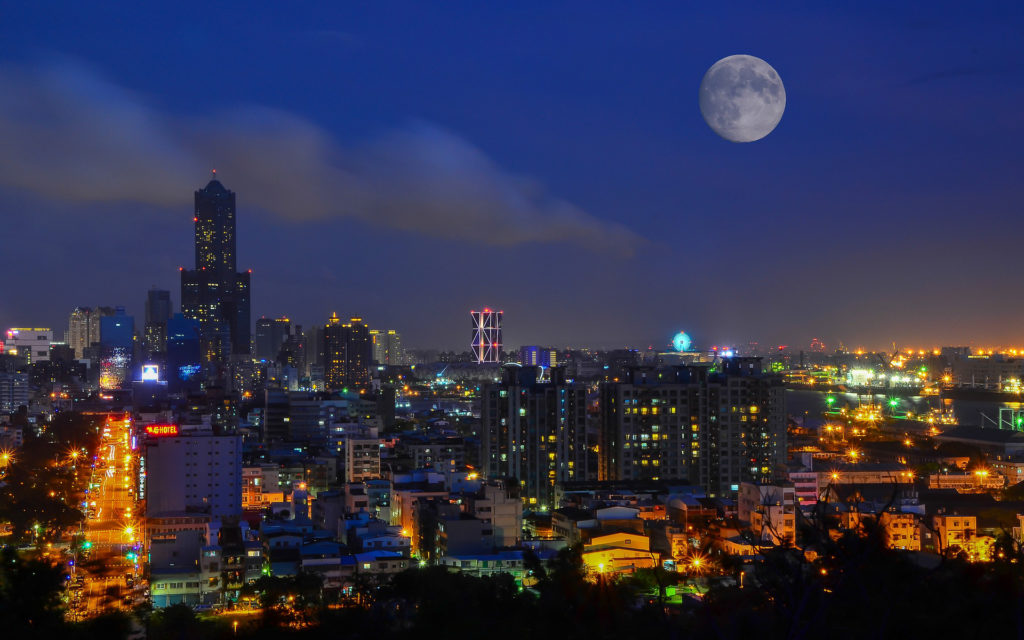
{"x": 150, "y": 373}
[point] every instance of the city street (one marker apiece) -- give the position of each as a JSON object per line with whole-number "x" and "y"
{"x": 111, "y": 558}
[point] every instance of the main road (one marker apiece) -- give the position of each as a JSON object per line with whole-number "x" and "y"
{"x": 112, "y": 551}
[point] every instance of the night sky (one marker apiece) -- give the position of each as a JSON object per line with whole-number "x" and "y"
{"x": 409, "y": 162}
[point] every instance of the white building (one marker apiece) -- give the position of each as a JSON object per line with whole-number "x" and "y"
{"x": 362, "y": 459}
{"x": 195, "y": 472}
{"x": 387, "y": 347}
{"x": 770, "y": 509}
{"x": 34, "y": 344}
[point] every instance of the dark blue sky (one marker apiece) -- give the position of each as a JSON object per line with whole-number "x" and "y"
{"x": 885, "y": 206}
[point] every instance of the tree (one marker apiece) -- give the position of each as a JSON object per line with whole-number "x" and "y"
{"x": 30, "y": 603}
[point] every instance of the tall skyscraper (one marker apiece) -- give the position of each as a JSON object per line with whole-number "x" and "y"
{"x": 271, "y": 334}
{"x": 387, "y": 347}
{"x": 158, "y": 312}
{"x": 348, "y": 352}
{"x": 535, "y": 431}
{"x": 214, "y": 293}
{"x": 712, "y": 428}
{"x": 486, "y": 335}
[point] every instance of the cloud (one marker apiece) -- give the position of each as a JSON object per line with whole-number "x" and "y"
{"x": 69, "y": 134}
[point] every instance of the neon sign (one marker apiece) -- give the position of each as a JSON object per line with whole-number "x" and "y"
{"x": 162, "y": 430}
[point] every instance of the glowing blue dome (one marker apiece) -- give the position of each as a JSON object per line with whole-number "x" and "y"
{"x": 681, "y": 342}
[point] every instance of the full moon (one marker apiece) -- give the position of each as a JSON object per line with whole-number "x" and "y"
{"x": 742, "y": 98}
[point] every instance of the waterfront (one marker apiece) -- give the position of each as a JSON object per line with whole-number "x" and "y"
{"x": 810, "y": 405}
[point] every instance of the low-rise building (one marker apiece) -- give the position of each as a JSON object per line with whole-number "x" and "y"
{"x": 619, "y": 553}
{"x": 770, "y": 510}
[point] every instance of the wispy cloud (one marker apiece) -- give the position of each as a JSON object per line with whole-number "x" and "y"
{"x": 70, "y": 134}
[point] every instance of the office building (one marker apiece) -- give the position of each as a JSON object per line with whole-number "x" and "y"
{"x": 313, "y": 345}
{"x": 348, "y": 352}
{"x": 538, "y": 357}
{"x": 534, "y": 431}
{"x": 295, "y": 416}
{"x": 117, "y": 330}
{"x": 271, "y": 334}
{"x": 714, "y": 428}
{"x": 33, "y": 344}
{"x": 158, "y": 312}
{"x": 486, "y": 343}
{"x": 184, "y": 352}
{"x": 214, "y": 293}
{"x": 13, "y": 391}
{"x": 117, "y": 349}
{"x": 387, "y": 347}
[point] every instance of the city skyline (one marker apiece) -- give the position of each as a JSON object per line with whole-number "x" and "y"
{"x": 844, "y": 224}
{"x": 563, "y": 320}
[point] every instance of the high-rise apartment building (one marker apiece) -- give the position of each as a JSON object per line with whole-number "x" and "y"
{"x": 486, "y": 335}
{"x": 534, "y": 431}
{"x": 271, "y": 334}
{"x": 214, "y": 293}
{"x": 84, "y": 328}
{"x": 348, "y": 352}
{"x": 158, "y": 312}
{"x": 714, "y": 428}
{"x": 387, "y": 347}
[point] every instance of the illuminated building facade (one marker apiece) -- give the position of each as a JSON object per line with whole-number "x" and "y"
{"x": 84, "y": 328}
{"x": 31, "y": 343}
{"x": 387, "y": 347}
{"x": 486, "y": 335}
{"x": 348, "y": 351}
{"x": 117, "y": 347}
{"x": 714, "y": 428}
{"x": 213, "y": 293}
{"x": 538, "y": 357}
{"x": 535, "y": 432}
